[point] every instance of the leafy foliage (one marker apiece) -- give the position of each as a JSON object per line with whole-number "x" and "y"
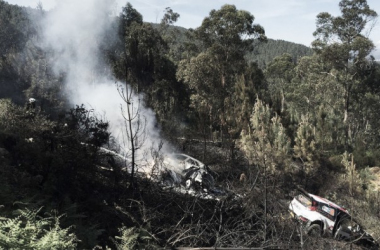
{"x": 30, "y": 231}
{"x": 133, "y": 238}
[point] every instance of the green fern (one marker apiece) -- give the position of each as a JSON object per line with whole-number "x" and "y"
{"x": 134, "y": 238}
{"x": 56, "y": 238}
{"x": 128, "y": 238}
{"x": 30, "y": 231}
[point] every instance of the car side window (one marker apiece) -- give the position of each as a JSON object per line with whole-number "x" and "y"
{"x": 327, "y": 211}
{"x": 304, "y": 200}
{"x": 192, "y": 162}
{"x": 180, "y": 157}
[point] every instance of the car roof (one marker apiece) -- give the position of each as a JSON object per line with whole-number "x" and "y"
{"x": 330, "y": 203}
{"x": 189, "y": 157}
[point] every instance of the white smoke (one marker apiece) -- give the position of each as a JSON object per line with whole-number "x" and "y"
{"x": 73, "y": 31}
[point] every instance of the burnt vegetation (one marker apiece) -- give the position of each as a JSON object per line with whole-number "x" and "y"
{"x": 256, "y": 112}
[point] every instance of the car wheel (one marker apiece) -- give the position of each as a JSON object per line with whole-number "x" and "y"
{"x": 314, "y": 230}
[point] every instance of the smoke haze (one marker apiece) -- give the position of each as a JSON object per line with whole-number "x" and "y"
{"x": 73, "y": 31}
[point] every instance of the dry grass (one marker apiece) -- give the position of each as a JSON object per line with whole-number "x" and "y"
{"x": 375, "y": 182}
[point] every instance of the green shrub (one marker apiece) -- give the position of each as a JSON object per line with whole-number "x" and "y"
{"x": 30, "y": 231}
{"x": 134, "y": 238}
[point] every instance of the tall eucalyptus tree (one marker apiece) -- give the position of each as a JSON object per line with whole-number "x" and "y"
{"x": 343, "y": 43}
{"x": 225, "y": 36}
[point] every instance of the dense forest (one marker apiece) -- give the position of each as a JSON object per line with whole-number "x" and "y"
{"x": 267, "y": 117}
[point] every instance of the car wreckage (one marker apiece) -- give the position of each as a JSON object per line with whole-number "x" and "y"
{"x": 321, "y": 217}
{"x": 177, "y": 171}
{"x": 188, "y": 175}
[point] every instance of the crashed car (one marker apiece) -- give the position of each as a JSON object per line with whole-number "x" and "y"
{"x": 321, "y": 217}
{"x": 188, "y": 171}
{"x": 189, "y": 175}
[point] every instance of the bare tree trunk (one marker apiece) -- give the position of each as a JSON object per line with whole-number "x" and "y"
{"x": 135, "y": 127}
{"x": 132, "y": 140}
{"x": 265, "y": 200}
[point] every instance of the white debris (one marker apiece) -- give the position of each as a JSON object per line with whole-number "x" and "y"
{"x": 104, "y": 150}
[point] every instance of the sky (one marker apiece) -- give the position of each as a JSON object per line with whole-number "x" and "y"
{"x": 289, "y": 20}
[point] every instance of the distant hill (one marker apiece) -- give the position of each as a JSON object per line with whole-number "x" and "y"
{"x": 266, "y": 52}
{"x": 263, "y": 52}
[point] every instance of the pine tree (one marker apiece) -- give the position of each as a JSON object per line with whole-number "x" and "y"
{"x": 352, "y": 174}
{"x": 305, "y": 145}
{"x": 265, "y": 142}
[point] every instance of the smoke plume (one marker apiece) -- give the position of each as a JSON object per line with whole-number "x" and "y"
{"x": 73, "y": 31}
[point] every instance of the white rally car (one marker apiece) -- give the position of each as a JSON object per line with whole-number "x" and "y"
{"x": 320, "y": 216}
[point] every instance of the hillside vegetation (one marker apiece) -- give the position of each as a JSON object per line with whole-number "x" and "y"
{"x": 266, "y": 117}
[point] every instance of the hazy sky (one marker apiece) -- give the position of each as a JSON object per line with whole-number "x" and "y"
{"x": 290, "y": 20}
